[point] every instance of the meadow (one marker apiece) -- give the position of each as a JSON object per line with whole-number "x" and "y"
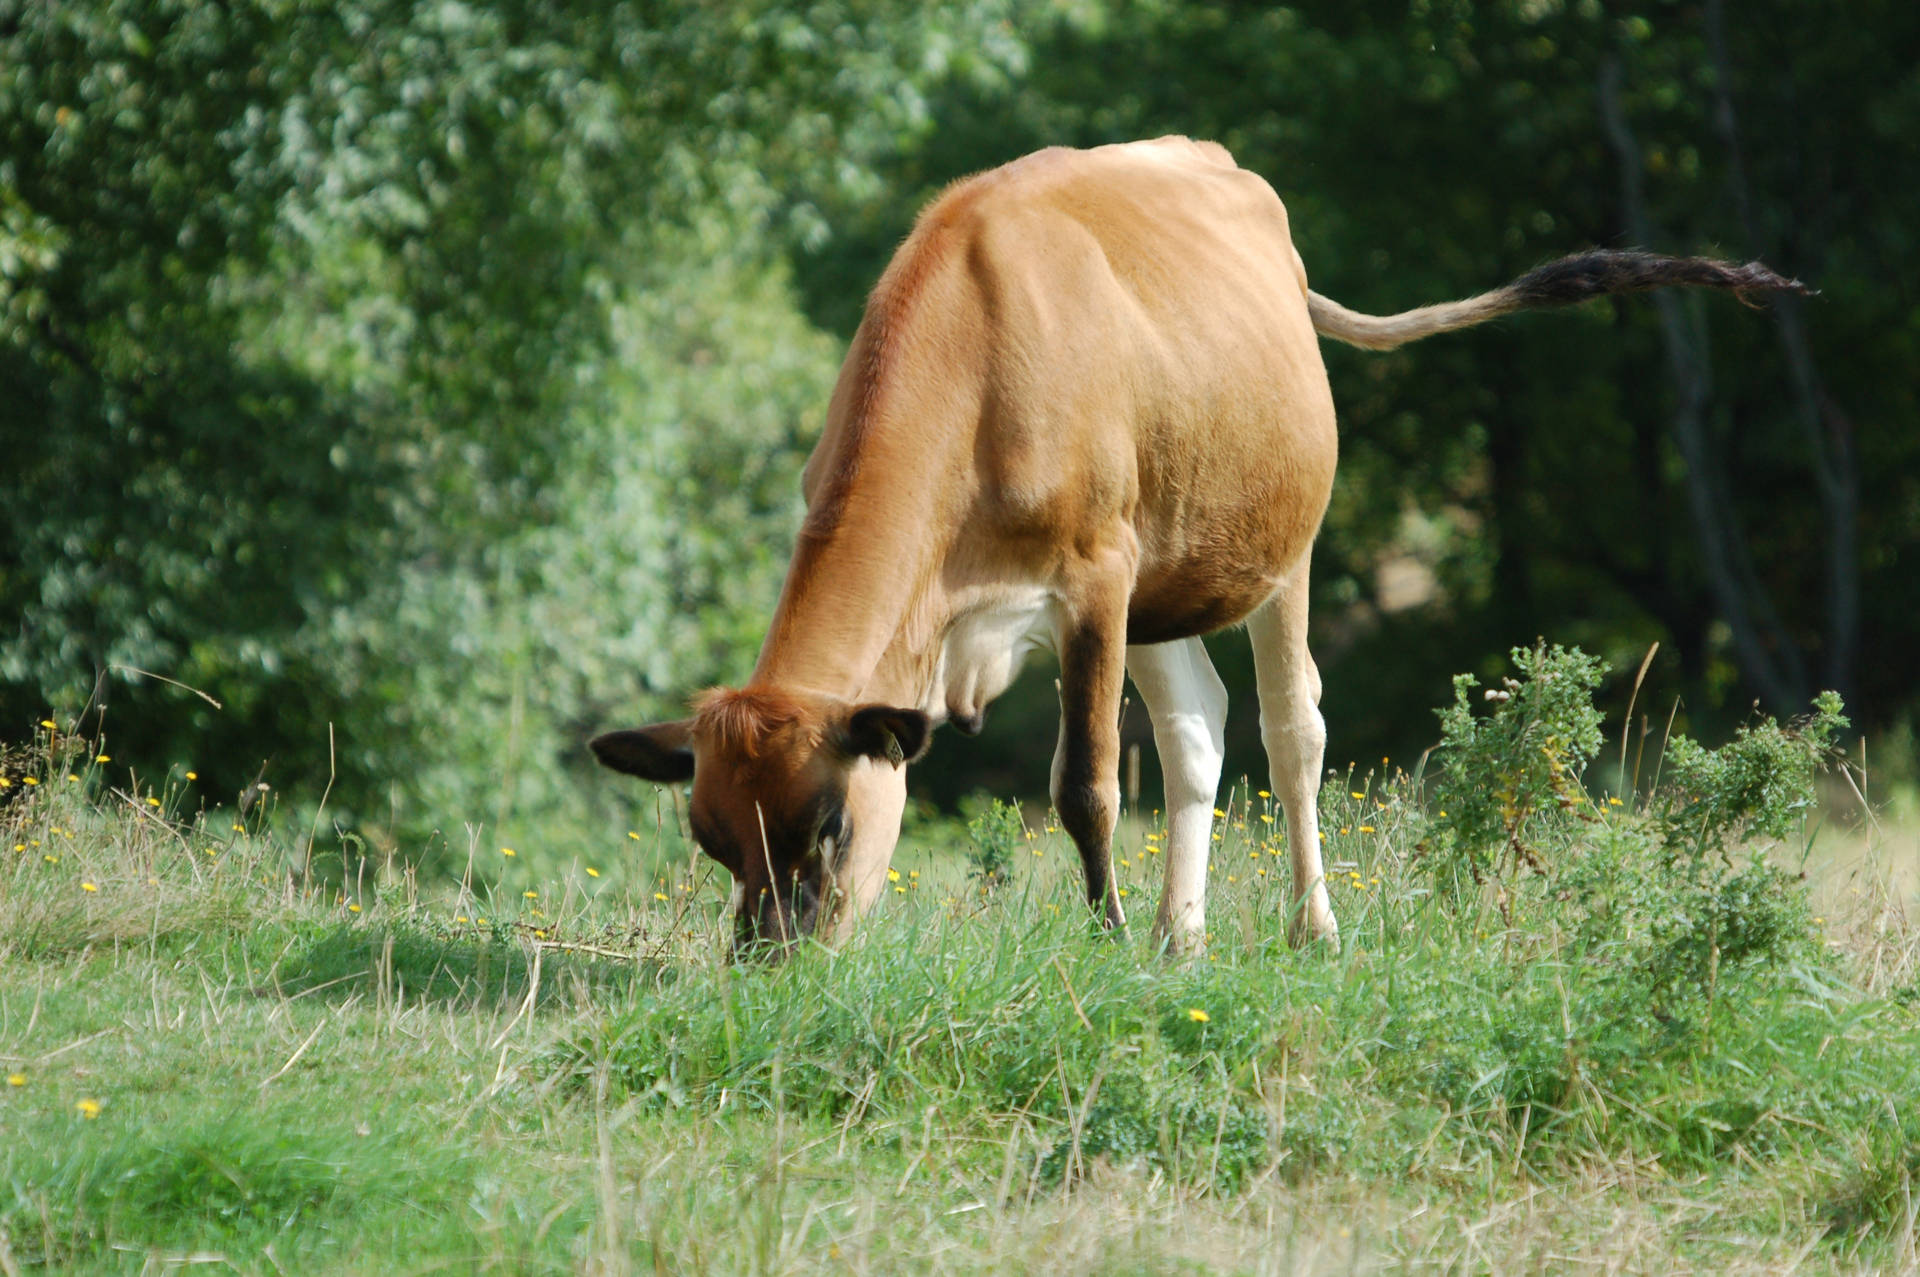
{"x": 1657, "y": 1010}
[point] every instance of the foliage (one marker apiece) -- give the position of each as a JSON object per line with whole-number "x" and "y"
{"x": 1756, "y": 786}
{"x": 994, "y": 836}
{"x": 430, "y": 381}
{"x": 1508, "y": 774}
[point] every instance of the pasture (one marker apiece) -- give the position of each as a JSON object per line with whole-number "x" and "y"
{"x": 1637, "y": 1059}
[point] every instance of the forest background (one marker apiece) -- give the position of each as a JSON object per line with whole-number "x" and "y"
{"x": 428, "y": 384}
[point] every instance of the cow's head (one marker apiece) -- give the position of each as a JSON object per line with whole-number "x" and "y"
{"x": 798, "y": 795}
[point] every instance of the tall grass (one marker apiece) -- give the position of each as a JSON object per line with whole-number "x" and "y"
{"x": 1633, "y": 1041}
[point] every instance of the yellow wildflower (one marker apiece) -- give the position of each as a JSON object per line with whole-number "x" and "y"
{"x": 87, "y": 886}
{"x": 530, "y": 894}
{"x": 1197, "y": 1015}
{"x": 508, "y": 851}
{"x": 1265, "y": 794}
{"x": 1366, "y": 829}
{"x": 353, "y": 908}
{"x": 152, "y": 801}
{"x": 102, "y": 758}
{"x": 47, "y": 723}
{"x": 592, "y": 872}
{"x": 16, "y": 1079}
{"x": 31, "y": 780}
{"x": 1266, "y": 818}
{"x": 193, "y": 775}
{"x": 662, "y": 896}
{"x": 893, "y": 875}
{"x": 88, "y": 1109}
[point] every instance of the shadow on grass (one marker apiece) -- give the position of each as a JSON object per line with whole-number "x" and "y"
{"x": 399, "y": 963}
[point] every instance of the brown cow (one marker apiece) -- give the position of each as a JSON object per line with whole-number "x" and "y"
{"x": 1085, "y": 411}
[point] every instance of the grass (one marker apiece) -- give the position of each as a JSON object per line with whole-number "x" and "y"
{"x": 212, "y": 1056}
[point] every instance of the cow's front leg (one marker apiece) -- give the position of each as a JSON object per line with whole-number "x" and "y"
{"x": 1086, "y": 765}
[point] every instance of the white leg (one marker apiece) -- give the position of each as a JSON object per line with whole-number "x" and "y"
{"x": 1296, "y": 740}
{"x": 1188, "y": 706}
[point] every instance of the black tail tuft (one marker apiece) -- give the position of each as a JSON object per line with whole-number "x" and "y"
{"x": 1607, "y": 271}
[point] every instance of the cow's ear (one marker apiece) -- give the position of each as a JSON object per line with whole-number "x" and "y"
{"x": 884, "y": 731}
{"x": 662, "y": 753}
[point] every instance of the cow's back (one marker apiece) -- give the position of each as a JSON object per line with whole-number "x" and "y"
{"x": 1105, "y": 339}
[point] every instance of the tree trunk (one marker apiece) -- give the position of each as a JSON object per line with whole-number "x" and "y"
{"x": 1827, "y": 430}
{"x": 1765, "y": 651}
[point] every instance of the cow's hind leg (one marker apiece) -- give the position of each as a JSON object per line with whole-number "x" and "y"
{"x": 1296, "y": 739}
{"x": 1188, "y": 705}
{"x": 1086, "y": 764}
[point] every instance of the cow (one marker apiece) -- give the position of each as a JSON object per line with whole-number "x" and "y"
{"x": 1085, "y": 410}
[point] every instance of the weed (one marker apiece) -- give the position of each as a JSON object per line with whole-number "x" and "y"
{"x": 994, "y": 836}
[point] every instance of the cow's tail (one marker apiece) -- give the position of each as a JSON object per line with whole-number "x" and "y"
{"x": 1561, "y": 283}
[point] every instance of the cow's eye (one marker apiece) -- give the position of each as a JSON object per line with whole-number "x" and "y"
{"x": 836, "y": 828}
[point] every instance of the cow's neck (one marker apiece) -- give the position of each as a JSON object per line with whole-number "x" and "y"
{"x": 856, "y": 618}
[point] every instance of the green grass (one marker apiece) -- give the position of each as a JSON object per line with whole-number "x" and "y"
{"x": 216, "y": 1059}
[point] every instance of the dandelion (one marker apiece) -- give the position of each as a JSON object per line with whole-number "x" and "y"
{"x": 16, "y": 1079}
{"x": 5, "y": 783}
{"x": 1366, "y": 829}
{"x": 632, "y": 835}
{"x": 592, "y": 872}
{"x": 1611, "y": 802}
{"x": 662, "y": 897}
{"x": 152, "y": 801}
{"x": 901, "y": 891}
{"x": 239, "y": 829}
{"x": 19, "y": 846}
{"x": 508, "y": 851}
{"x": 353, "y": 908}
{"x": 1197, "y": 1015}
{"x": 1266, "y": 818}
{"x": 539, "y": 934}
{"x": 1265, "y": 794}
{"x": 1123, "y": 891}
{"x": 1443, "y": 811}
{"x": 1321, "y": 834}
{"x": 530, "y": 894}
{"x": 31, "y": 780}
{"x": 1344, "y": 831}
{"x": 47, "y": 723}
{"x": 102, "y": 758}
{"x": 459, "y": 917}
{"x": 1356, "y": 793}
{"x": 87, "y": 886}
{"x": 72, "y": 779}
{"x": 88, "y": 1109}
{"x": 193, "y": 775}
{"x": 1220, "y": 814}
{"x": 893, "y": 875}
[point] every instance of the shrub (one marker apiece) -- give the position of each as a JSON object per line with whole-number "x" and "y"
{"x": 1507, "y": 775}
